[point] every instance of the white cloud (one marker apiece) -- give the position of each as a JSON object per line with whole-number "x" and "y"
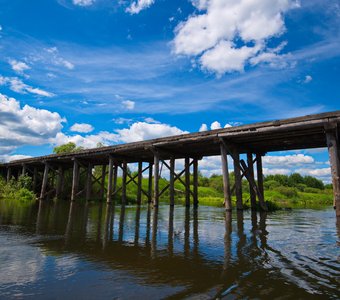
{"x": 17, "y": 85}
{"x": 25, "y": 125}
{"x": 137, "y": 6}
{"x": 56, "y": 59}
{"x": 7, "y": 158}
{"x": 122, "y": 121}
{"x": 151, "y": 120}
{"x": 215, "y": 125}
{"x": 319, "y": 173}
{"x": 228, "y": 34}
{"x": 288, "y": 160}
{"x": 18, "y": 66}
{"x": 203, "y": 127}
{"x": 308, "y": 79}
{"x": 276, "y": 171}
{"x": 128, "y": 104}
{"x": 83, "y": 2}
{"x": 82, "y": 127}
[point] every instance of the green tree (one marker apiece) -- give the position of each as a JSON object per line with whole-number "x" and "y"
{"x": 66, "y": 148}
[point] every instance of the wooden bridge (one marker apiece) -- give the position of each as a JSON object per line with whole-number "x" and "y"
{"x": 254, "y": 140}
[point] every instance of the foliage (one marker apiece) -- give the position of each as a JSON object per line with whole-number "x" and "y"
{"x": 19, "y": 190}
{"x": 66, "y": 148}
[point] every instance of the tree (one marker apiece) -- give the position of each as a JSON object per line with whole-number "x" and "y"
{"x": 66, "y": 148}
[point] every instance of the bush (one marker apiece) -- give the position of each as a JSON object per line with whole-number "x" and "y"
{"x": 311, "y": 190}
{"x": 287, "y": 191}
{"x": 271, "y": 184}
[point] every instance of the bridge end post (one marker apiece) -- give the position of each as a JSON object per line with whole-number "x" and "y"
{"x": 333, "y": 151}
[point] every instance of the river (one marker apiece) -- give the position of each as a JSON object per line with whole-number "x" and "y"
{"x": 93, "y": 251}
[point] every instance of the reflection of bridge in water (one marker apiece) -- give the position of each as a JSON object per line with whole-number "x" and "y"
{"x": 168, "y": 246}
{"x": 253, "y": 141}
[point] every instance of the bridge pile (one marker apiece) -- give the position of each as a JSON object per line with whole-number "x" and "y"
{"x": 255, "y": 140}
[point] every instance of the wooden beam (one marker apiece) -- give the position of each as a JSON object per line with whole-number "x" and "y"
{"x": 9, "y": 174}
{"x": 251, "y": 174}
{"x": 172, "y": 181}
{"x": 156, "y": 180}
{"x": 333, "y": 151}
{"x": 187, "y": 181}
{"x": 24, "y": 170}
{"x": 102, "y": 183}
{"x": 260, "y": 179}
{"x": 139, "y": 183}
{"x": 238, "y": 180}
{"x": 89, "y": 182}
{"x": 60, "y": 182}
{"x": 226, "y": 182}
{"x": 195, "y": 182}
{"x": 75, "y": 180}
{"x": 35, "y": 179}
{"x": 44, "y": 182}
{"x": 150, "y": 183}
{"x": 109, "y": 182}
{"x": 124, "y": 177}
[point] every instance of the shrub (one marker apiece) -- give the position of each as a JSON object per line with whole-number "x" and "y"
{"x": 287, "y": 191}
{"x": 311, "y": 190}
{"x": 271, "y": 184}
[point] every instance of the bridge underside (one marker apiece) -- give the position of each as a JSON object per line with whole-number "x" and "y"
{"x": 254, "y": 140}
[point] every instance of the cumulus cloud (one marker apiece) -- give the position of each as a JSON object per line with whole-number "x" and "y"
{"x": 83, "y": 2}
{"x": 215, "y": 125}
{"x": 18, "y": 86}
{"x": 319, "y": 173}
{"x": 227, "y": 34}
{"x": 25, "y": 125}
{"x": 137, "y": 6}
{"x": 82, "y": 127}
{"x": 128, "y": 104}
{"x": 288, "y": 160}
{"x": 203, "y": 127}
{"x": 18, "y": 66}
{"x": 7, "y": 157}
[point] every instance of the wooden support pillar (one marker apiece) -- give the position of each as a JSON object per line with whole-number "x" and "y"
{"x": 109, "y": 181}
{"x": 238, "y": 181}
{"x": 172, "y": 181}
{"x": 35, "y": 179}
{"x": 115, "y": 176}
{"x": 226, "y": 182}
{"x": 187, "y": 181}
{"x": 75, "y": 180}
{"x": 139, "y": 183}
{"x": 251, "y": 174}
{"x": 44, "y": 182}
{"x": 24, "y": 170}
{"x": 124, "y": 176}
{"x": 333, "y": 151}
{"x": 150, "y": 183}
{"x": 102, "y": 183}
{"x": 60, "y": 182}
{"x": 195, "y": 182}
{"x": 156, "y": 180}
{"x": 89, "y": 182}
{"x": 9, "y": 174}
{"x": 260, "y": 180}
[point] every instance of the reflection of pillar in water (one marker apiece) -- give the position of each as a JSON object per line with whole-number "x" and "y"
{"x": 154, "y": 232}
{"x": 254, "y": 228}
{"x": 39, "y": 217}
{"x": 227, "y": 240}
{"x": 137, "y": 225}
{"x": 187, "y": 232}
{"x": 69, "y": 225}
{"x": 171, "y": 231}
{"x": 148, "y": 221}
{"x": 263, "y": 231}
{"x": 195, "y": 231}
{"x": 107, "y": 222}
{"x": 99, "y": 221}
{"x": 338, "y": 228}
{"x": 121, "y": 223}
{"x": 240, "y": 232}
{"x": 85, "y": 219}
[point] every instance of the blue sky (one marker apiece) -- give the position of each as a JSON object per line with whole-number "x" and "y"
{"x": 110, "y": 71}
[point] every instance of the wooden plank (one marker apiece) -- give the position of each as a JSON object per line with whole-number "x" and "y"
{"x": 156, "y": 180}
{"x": 139, "y": 182}
{"x": 251, "y": 174}
{"x": 75, "y": 180}
{"x": 333, "y": 151}
{"x": 172, "y": 181}
{"x": 44, "y": 182}
{"x": 187, "y": 181}
{"x": 226, "y": 182}
{"x": 109, "y": 181}
{"x": 238, "y": 180}
{"x": 195, "y": 182}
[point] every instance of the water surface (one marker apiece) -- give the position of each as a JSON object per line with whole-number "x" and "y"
{"x": 93, "y": 251}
